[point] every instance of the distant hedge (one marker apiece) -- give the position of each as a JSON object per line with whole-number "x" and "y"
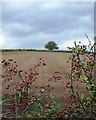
{"x": 12, "y": 50}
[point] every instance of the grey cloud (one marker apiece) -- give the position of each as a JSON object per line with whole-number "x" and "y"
{"x": 27, "y": 23}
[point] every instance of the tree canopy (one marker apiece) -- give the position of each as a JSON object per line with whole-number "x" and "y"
{"x": 51, "y": 45}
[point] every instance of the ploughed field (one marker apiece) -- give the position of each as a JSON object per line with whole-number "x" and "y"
{"x": 54, "y": 61}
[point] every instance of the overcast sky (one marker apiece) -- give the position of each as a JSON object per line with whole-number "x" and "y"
{"x": 33, "y": 24}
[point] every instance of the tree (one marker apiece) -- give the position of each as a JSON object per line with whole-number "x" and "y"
{"x": 51, "y": 45}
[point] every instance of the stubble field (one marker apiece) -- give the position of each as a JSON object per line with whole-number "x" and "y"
{"x": 54, "y": 61}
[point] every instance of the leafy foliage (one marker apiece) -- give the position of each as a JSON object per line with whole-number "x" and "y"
{"x": 51, "y": 45}
{"x": 43, "y": 105}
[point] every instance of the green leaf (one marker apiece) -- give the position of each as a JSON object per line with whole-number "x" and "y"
{"x": 29, "y": 115}
{"x": 83, "y": 77}
{"x": 7, "y": 98}
{"x": 55, "y": 106}
{"x": 74, "y": 54}
{"x": 78, "y": 74}
{"x": 1, "y": 100}
{"x": 49, "y": 110}
{"x": 18, "y": 96}
{"x": 36, "y": 106}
